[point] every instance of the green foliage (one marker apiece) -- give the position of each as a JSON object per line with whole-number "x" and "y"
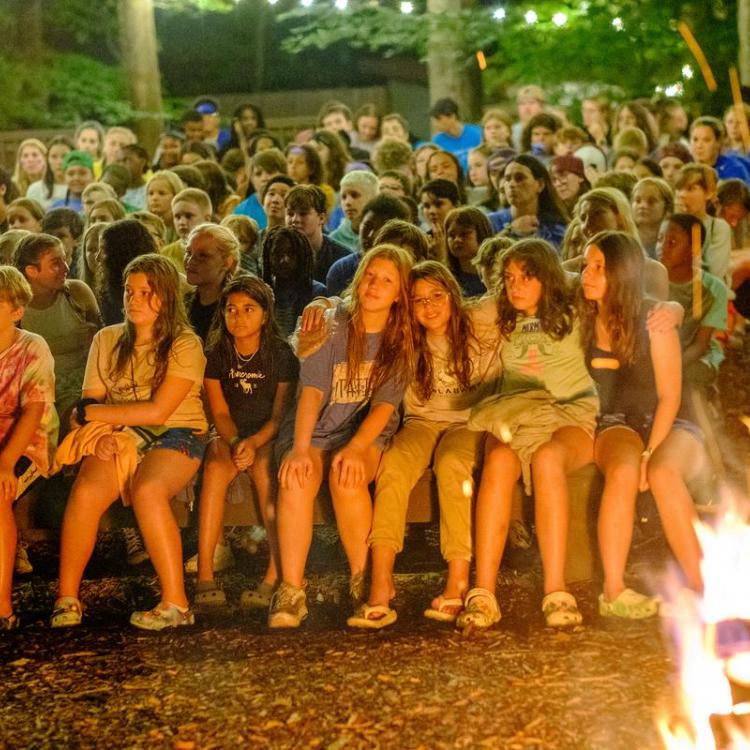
{"x": 374, "y": 28}
{"x": 586, "y": 54}
{"x": 74, "y": 88}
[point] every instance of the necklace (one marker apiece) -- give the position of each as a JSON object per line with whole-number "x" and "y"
{"x": 244, "y": 360}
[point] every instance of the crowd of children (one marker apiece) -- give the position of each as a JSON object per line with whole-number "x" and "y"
{"x": 509, "y": 301}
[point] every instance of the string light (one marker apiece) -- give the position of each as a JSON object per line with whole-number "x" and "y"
{"x": 687, "y": 72}
{"x": 618, "y": 24}
{"x": 676, "y": 89}
{"x": 407, "y": 7}
{"x": 306, "y": 3}
{"x": 498, "y": 14}
{"x": 559, "y": 19}
{"x": 530, "y": 17}
{"x": 341, "y": 4}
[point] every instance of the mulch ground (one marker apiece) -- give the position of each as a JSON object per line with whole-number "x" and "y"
{"x": 229, "y": 682}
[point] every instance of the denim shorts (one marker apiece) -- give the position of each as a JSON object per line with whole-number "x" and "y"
{"x": 643, "y": 425}
{"x": 183, "y": 440}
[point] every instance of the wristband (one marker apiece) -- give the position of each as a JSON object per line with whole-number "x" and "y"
{"x": 234, "y": 441}
{"x": 81, "y": 409}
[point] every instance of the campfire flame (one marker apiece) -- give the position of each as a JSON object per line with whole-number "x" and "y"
{"x": 711, "y": 633}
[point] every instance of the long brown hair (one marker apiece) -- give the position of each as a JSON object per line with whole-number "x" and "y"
{"x": 395, "y": 354}
{"x": 556, "y": 311}
{"x": 460, "y": 331}
{"x": 171, "y": 321}
{"x": 623, "y": 268}
{"x": 219, "y": 339}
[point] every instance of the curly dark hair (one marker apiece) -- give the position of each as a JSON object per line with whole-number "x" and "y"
{"x": 556, "y": 310}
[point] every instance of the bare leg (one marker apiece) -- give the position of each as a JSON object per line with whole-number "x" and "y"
{"x": 160, "y": 476}
{"x": 382, "y": 589}
{"x": 353, "y": 508}
{"x": 295, "y": 523}
{"x": 265, "y": 482}
{"x": 618, "y": 455}
{"x": 8, "y": 540}
{"x": 500, "y": 473}
{"x": 678, "y": 459}
{"x": 569, "y": 449}
{"x": 93, "y": 491}
{"x": 218, "y": 473}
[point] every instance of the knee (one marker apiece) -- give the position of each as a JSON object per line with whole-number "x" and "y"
{"x": 548, "y": 458}
{"x": 147, "y": 493}
{"x": 622, "y": 474}
{"x": 340, "y": 491}
{"x": 662, "y": 473}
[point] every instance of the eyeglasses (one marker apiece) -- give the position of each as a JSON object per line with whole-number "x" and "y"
{"x": 436, "y": 299}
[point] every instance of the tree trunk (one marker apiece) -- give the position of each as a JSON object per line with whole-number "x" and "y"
{"x": 743, "y": 30}
{"x": 141, "y": 63}
{"x": 28, "y": 41}
{"x": 450, "y": 70}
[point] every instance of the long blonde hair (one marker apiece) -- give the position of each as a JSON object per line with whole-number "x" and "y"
{"x": 19, "y": 176}
{"x": 395, "y": 355}
{"x": 170, "y": 322}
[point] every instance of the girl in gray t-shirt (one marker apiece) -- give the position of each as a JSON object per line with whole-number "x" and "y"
{"x": 350, "y": 389}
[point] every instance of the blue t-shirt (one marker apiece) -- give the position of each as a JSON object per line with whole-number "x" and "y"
{"x": 341, "y": 273}
{"x": 549, "y": 230}
{"x": 471, "y": 137}
{"x": 345, "y": 405}
{"x": 251, "y": 207}
{"x": 68, "y": 201}
{"x": 729, "y": 165}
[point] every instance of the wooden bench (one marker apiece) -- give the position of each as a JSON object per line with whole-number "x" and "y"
{"x": 241, "y": 509}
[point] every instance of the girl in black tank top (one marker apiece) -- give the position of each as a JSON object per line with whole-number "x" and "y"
{"x": 637, "y": 366}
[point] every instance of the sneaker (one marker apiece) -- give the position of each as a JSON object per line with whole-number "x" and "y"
{"x": 11, "y": 622}
{"x": 288, "y": 607}
{"x": 68, "y": 612}
{"x": 223, "y": 559}
{"x": 22, "y": 564}
{"x": 162, "y": 616}
{"x": 136, "y": 552}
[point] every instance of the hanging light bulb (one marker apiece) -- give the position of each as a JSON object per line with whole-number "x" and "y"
{"x": 559, "y": 19}
{"x": 499, "y": 14}
{"x": 530, "y": 17}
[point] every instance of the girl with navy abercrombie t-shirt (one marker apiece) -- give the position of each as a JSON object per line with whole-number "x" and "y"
{"x": 250, "y": 372}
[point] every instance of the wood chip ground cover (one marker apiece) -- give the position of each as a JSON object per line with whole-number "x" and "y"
{"x": 230, "y": 683}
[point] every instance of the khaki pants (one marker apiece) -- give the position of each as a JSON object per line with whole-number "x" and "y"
{"x": 455, "y": 453}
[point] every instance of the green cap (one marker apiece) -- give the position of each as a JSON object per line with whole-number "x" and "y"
{"x": 78, "y": 159}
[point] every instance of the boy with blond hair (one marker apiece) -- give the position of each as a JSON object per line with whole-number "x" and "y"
{"x": 28, "y": 421}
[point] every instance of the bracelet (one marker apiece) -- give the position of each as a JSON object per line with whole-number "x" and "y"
{"x": 80, "y": 411}
{"x": 234, "y": 441}
{"x": 647, "y": 453}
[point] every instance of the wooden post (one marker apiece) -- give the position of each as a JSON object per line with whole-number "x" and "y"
{"x": 141, "y": 63}
{"x": 451, "y": 71}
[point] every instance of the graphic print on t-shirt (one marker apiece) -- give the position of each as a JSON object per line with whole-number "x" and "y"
{"x": 531, "y": 351}
{"x": 245, "y": 380}
{"x": 344, "y": 392}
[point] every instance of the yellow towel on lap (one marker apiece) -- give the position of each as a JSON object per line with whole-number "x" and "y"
{"x": 81, "y": 442}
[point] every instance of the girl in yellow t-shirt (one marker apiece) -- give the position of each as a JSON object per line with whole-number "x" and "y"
{"x": 144, "y": 374}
